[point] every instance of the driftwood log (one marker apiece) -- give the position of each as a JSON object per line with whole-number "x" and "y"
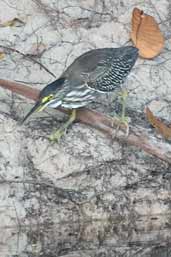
{"x": 138, "y": 137}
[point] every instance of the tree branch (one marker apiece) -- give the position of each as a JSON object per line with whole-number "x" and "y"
{"x": 139, "y": 137}
{"x": 70, "y": 194}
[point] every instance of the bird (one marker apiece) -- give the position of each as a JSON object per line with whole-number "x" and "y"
{"x": 96, "y": 71}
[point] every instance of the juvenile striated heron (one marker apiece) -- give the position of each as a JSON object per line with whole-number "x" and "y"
{"x": 96, "y": 71}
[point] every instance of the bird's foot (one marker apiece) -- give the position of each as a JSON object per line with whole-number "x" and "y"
{"x": 125, "y": 121}
{"x": 55, "y": 137}
{"x": 119, "y": 125}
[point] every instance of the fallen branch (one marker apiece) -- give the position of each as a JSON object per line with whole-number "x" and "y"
{"x": 138, "y": 137}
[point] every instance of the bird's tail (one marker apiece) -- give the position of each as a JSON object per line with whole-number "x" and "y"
{"x": 130, "y": 53}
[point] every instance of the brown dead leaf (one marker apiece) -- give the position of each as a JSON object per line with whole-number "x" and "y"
{"x": 146, "y": 34}
{"x": 161, "y": 128}
{"x": 16, "y": 22}
{"x": 2, "y": 55}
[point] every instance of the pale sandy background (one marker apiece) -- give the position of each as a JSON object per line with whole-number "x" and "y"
{"x": 125, "y": 191}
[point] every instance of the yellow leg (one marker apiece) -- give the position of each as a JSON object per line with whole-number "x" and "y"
{"x": 60, "y": 132}
{"x": 123, "y": 119}
{"x": 124, "y": 95}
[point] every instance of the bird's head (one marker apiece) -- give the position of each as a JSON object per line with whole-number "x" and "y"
{"x": 47, "y": 97}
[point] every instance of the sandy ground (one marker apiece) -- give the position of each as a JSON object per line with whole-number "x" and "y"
{"x": 85, "y": 176}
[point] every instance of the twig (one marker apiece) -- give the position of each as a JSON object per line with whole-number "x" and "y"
{"x": 72, "y": 195}
{"x": 138, "y": 137}
{"x": 28, "y": 57}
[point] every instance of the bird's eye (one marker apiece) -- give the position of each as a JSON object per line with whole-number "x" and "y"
{"x": 47, "y": 98}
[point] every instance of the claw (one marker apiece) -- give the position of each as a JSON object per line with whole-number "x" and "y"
{"x": 127, "y": 129}
{"x": 55, "y": 137}
{"x": 119, "y": 126}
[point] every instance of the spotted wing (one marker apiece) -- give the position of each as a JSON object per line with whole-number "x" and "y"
{"x": 90, "y": 65}
{"x": 103, "y": 69}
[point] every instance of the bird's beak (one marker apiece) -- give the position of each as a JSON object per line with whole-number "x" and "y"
{"x": 39, "y": 106}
